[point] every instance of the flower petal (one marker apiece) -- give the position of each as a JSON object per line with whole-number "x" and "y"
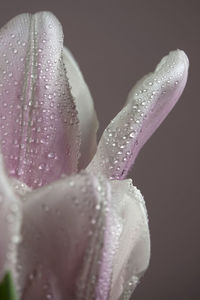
{"x": 63, "y": 230}
{"x": 81, "y": 237}
{"x": 39, "y": 130}
{"x": 133, "y": 252}
{"x": 85, "y": 107}
{"x": 126, "y": 245}
{"x": 10, "y": 221}
{"x": 148, "y": 104}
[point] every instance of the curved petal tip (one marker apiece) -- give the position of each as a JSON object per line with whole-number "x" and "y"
{"x": 149, "y": 102}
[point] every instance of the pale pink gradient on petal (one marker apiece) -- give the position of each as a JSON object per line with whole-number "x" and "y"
{"x": 63, "y": 231}
{"x": 83, "y": 238}
{"x": 39, "y": 128}
{"x": 10, "y": 222}
{"x": 148, "y": 104}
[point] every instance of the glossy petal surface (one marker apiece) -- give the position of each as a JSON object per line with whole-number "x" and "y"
{"x": 38, "y": 121}
{"x": 85, "y": 107}
{"x": 83, "y": 238}
{"x": 62, "y": 231}
{"x": 10, "y": 221}
{"x": 148, "y": 104}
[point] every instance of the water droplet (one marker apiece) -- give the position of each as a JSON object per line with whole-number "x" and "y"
{"x": 98, "y": 207}
{"x": 51, "y": 155}
{"x": 71, "y": 183}
{"x": 16, "y": 239}
{"x": 52, "y": 116}
{"x": 93, "y": 221}
{"x": 41, "y": 166}
{"x": 132, "y": 134}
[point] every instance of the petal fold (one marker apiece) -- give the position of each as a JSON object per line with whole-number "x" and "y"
{"x": 148, "y": 104}
{"x": 85, "y": 107}
{"x": 39, "y": 129}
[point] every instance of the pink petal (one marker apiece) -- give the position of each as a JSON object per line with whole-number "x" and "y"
{"x": 38, "y": 120}
{"x": 63, "y": 231}
{"x": 81, "y": 238}
{"x": 85, "y": 107}
{"x": 10, "y": 221}
{"x": 148, "y": 104}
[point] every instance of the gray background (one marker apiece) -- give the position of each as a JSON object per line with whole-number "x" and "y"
{"x": 115, "y": 43}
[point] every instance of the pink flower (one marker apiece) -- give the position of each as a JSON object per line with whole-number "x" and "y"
{"x": 71, "y": 226}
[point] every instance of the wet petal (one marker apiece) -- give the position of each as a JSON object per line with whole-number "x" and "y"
{"x": 83, "y": 238}
{"x": 126, "y": 244}
{"x": 63, "y": 231}
{"x": 133, "y": 251}
{"x": 85, "y": 107}
{"x": 148, "y": 104}
{"x": 38, "y": 120}
{"x": 10, "y": 221}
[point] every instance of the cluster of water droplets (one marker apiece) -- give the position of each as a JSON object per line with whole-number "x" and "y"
{"x": 89, "y": 276}
{"x": 86, "y": 198}
{"x": 38, "y": 119}
{"x": 126, "y": 133}
{"x": 13, "y": 218}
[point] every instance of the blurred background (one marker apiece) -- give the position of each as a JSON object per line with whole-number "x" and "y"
{"x": 115, "y": 43}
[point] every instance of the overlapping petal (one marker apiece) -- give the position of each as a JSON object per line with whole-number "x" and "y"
{"x": 148, "y": 104}
{"x": 82, "y": 238}
{"x": 62, "y": 233}
{"x": 39, "y": 130}
{"x": 85, "y": 107}
{"x": 10, "y": 222}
